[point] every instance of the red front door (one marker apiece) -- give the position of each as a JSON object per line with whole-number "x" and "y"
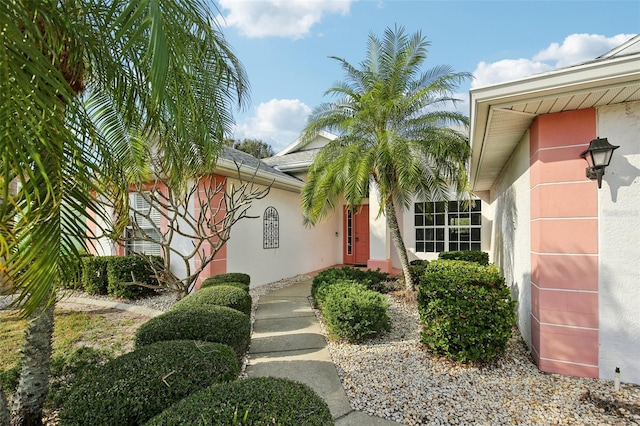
{"x": 356, "y": 236}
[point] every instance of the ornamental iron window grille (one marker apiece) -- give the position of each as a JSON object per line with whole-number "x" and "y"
{"x": 271, "y": 228}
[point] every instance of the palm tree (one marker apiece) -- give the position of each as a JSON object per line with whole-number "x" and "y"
{"x": 391, "y": 135}
{"x": 89, "y": 90}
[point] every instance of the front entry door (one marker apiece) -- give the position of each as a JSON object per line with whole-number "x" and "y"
{"x": 356, "y": 236}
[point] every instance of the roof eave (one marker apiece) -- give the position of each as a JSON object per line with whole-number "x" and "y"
{"x": 228, "y": 168}
{"x": 589, "y": 76}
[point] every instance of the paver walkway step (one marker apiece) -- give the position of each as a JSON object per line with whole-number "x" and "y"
{"x": 287, "y": 342}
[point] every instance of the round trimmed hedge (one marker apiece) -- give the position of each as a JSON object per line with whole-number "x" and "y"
{"x": 353, "y": 313}
{"x": 217, "y": 324}
{"x": 209, "y": 284}
{"x": 134, "y": 387}
{"x": 466, "y": 309}
{"x": 229, "y": 277}
{"x": 255, "y": 401}
{"x": 222, "y": 295}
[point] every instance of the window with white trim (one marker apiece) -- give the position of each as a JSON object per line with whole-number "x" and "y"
{"x": 447, "y": 226}
{"x": 144, "y": 227}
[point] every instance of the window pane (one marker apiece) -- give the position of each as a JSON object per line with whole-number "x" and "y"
{"x": 453, "y": 234}
{"x": 429, "y": 220}
{"x": 439, "y": 234}
{"x": 439, "y": 247}
{"x": 477, "y": 207}
{"x": 453, "y": 246}
{"x": 420, "y": 246}
{"x": 440, "y": 207}
{"x": 419, "y": 220}
{"x": 430, "y": 248}
{"x": 475, "y": 234}
{"x": 440, "y": 220}
{"x": 476, "y": 218}
{"x": 419, "y": 234}
{"x": 476, "y": 247}
{"x": 429, "y": 234}
{"x": 464, "y": 246}
{"x": 419, "y": 207}
{"x": 453, "y": 206}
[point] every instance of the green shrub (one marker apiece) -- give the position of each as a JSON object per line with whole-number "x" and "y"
{"x": 223, "y": 295}
{"x": 133, "y": 388}
{"x": 353, "y": 313}
{"x": 125, "y": 269}
{"x": 208, "y": 283}
{"x": 217, "y": 324}
{"x": 67, "y": 368}
{"x": 373, "y": 280}
{"x": 9, "y": 378}
{"x": 466, "y": 310}
{"x": 480, "y": 257}
{"x": 416, "y": 269}
{"x": 255, "y": 401}
{"x": 322, "y": 290}
{"x": 229, "y": 277}
{"x": 73, "y": 276}
{"x": 94, "y": 274}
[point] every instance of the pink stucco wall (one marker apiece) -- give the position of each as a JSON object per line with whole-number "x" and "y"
{"x": 564, "y": 245}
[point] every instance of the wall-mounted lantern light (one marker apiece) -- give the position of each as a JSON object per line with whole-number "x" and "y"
{"x": 598, "y": 156}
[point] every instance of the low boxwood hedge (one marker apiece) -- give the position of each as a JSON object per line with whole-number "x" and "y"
{"x": 254, "y": 401}
{"x": 480, "y": 257}
{"x": 122, "y": 270}
{"x": 94, "y": 274}
{"x": 208, "y": 284}
{"x": 217, "y": 324}
{"x": 416, "y": 269}
{"x": 321, "y": 291}
{"x": 373, "y": 280}
{"x": 354, "y": 313}
{"x": 466, "y": 310}
{"x": 133, "y": 388}
{"x": 223, "y": 295}
{"x": 229, "y": 277}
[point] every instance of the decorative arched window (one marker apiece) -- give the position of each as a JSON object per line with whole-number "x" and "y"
{"x": 271, "y": 228}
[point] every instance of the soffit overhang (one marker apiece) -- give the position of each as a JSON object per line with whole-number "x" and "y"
{"x": 502, "y": 114}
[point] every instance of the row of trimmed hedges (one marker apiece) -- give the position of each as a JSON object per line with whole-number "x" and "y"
{"x": 109, "y": 275}
{"x": 351, "y": 310}
{"x": 466, "y": 310}
{"x": 182, "y": 372}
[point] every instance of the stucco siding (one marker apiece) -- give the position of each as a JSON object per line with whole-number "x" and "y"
{"x": 510, "y": 227}
{"x": 619, "y": 244}
{"x": 300, "y": 249}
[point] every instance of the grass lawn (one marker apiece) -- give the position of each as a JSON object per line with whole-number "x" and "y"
{"x": 107, "y": 332}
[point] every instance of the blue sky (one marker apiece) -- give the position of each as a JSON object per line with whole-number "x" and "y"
{"x": 285, "y": 45}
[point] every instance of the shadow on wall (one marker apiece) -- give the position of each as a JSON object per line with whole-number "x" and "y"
{"x": 621, "y": 172}
{"x": 505, "y": 222}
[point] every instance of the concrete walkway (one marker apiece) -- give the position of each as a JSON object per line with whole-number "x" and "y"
{"x": 287, "y": 342}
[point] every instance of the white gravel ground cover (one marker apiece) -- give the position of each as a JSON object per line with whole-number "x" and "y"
{"x": 393, "y": 377}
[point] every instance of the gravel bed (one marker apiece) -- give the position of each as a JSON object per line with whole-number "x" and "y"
{"x": 394, "y": 378}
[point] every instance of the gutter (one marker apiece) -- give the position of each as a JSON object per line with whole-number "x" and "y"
{"x": 228, "y": 168}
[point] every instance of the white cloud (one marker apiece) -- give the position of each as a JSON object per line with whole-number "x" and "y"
{"x": 578, "y": 48}
{"x": 506, "y": 70}
{"x": 280, "y": 18}
{"x": 277, "y": 122}
{"x": 575, "y": 48}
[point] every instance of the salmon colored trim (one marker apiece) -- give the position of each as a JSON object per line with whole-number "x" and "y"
{"x": 383, "y": 264}
{"x": 564, "y": 245}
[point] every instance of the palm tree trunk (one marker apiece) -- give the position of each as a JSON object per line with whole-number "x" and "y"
{"x": 396, "y": 237}
{"x": 34, "y": 375}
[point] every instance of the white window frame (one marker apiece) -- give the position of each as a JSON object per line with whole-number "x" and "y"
{"x": 446, "y": 226}
{"x": 150, "y": 228}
